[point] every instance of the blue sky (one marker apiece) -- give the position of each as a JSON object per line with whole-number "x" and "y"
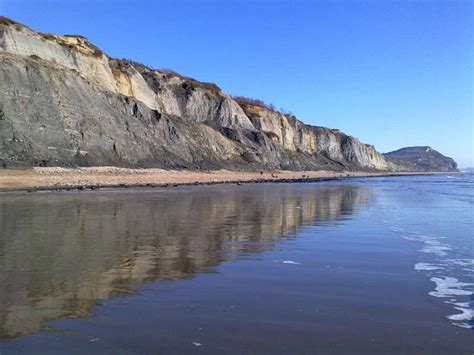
{"x": 392, "y": 73}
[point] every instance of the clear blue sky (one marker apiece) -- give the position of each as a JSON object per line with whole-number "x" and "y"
{"x": 393, "y": 73}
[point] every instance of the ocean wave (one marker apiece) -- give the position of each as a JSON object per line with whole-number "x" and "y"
{"x": 441, "y": 269}
{"x": 435, "y": 247}
{"x": 461, "y": 262}
{"x": 427, "y": 267}
{"x": 467, "y": 314}
{"x": 431, "y": 243}
{"x": 450, "y": 286}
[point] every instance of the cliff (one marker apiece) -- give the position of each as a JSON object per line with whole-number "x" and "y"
{"x": 424, "y": 158}
{"x": 63, "y": 102}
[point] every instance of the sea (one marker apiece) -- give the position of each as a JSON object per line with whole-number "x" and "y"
{"x": 380, "y": 265}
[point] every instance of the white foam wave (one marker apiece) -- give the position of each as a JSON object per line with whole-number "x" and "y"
{"x": 396, "y": 229}
{"x": 450, "y": 286}
{"x": 431, "y": 244}
{"x": 435, "y": 248}
{"x": 460, "y": 304}
{"x": 418, "y": 237}
{"x": 427, "y": 267}
{"x": 291, "y": 262}
{"x": 461, "y": 262}
{"x": 463, "y": 325}
{"x": 454, "y": 291}
{"x": 466, "y": 314}
{"x": 287, "y": 262}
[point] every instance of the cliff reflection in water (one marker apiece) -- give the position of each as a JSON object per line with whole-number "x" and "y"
{"x": 61, "y": 254}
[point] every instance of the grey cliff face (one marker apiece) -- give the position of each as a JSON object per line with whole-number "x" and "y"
{"x": 63, "y": 102}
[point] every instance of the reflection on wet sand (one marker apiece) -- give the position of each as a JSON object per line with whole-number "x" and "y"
{"x": 62, "y": 254}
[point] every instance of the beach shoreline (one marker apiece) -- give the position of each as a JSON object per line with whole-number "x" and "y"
{"x": 92, "y": 178}
{"x": 157, "y": 260}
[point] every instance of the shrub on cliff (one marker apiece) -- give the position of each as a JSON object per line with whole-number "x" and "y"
{"x": 247, "y": 101}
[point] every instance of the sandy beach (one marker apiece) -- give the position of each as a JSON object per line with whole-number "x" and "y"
{"x": 96, "y": 177}
{"x": 257, "y": 268}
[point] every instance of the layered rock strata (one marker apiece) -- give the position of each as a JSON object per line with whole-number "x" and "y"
{"x": 63, "y": 102}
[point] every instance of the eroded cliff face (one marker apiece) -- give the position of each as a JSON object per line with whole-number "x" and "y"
{"x": 64, "y": 102}
{"x": 295, "y": 136}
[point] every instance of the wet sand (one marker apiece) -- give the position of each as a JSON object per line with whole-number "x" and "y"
{"x": 256, "y": 269}
{"x": 95, "y": 177}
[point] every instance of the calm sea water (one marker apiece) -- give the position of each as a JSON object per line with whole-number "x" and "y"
{"x": 380, "y": 265}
